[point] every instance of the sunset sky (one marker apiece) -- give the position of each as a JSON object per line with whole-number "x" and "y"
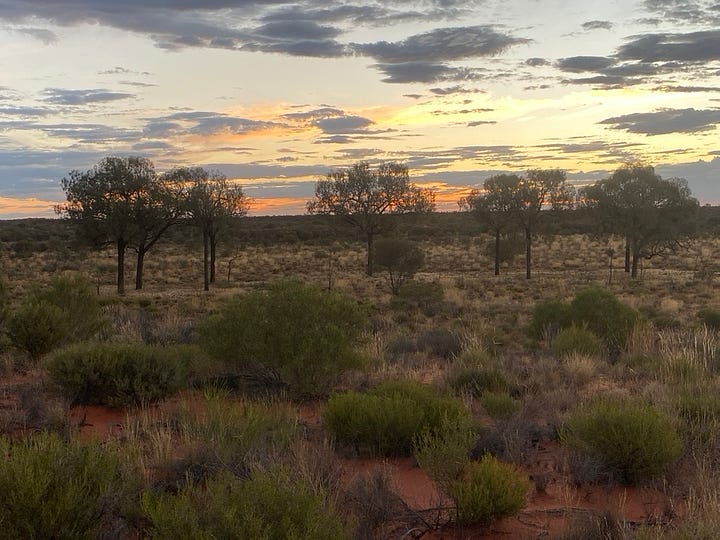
{"x": 277, "y": 93}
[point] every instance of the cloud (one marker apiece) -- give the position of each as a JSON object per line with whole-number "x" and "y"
{"x": 441, "y": 45}
{"x": 477, "y": 123}
{"x": 537, "y": 62}
{"x": 25, "y": 111}
{"x": 202, "y": 123}
{"x": 342, "y": 124}
{"x": 693, "y": 47}
{"x": 46, "y": 36}
{"x": 578, "y": 64}
{"x": 666, "y": 121}
{"x": 62, "y": 96}
{"x": 685, "y": 11}
{"x": 597, "y": 25}
{"x": 425, "y": 72}
{"x": 457, "y": 89}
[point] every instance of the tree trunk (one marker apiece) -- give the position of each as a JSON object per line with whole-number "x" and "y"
{"x": 635, "y": 261}
{"x": 206, "y": 255}
{"x": 528, "y": 253}
{"x": 139, "y": 268}
{"x": 369, "y": 269}
{"x": 627, "y": 255}
{"x": 121, "y": 245}
{"x": 497, "y": 253}
{"x": 213, "y": 245}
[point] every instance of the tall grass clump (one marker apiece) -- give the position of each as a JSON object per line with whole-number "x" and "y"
{"x": 117, "y": 374}
{"x": 303, "y": 334}
{"x": 65, "y": 490}
{"x": 268, "y": 505}
{"x": 633, "y": 440}
{"x": 386, "y": 420}
{"x": 576, "y": 340}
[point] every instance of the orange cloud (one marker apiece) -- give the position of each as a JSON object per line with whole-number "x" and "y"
{"x": 15, "y": 208}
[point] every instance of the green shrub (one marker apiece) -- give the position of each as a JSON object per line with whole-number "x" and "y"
{"x": 422, "y": 295}
{"x": 117, "y": 374}
{"x": 632, "y": 439}
{"x": 266, "y": 506}
{"x": 549, "y": 317}
{"x": 401, "y": 259}
{"x": 604, "y": 315}
{"x": 499, "y": 404}
{"x": 63, "y": 490}
{"x": 77, "y": 298}
{"x": 475, "y": 379}
{"x": 710, "y": 318}
{"x": 444, "y": 453}
{"x": 576, "y": 340}
{"x": 304, "y": 334}
{"x": 37, "y": 327}
{"x": 489, "y": 489}
{"x": 386, "y": 420}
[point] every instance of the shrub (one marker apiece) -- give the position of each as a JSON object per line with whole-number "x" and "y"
{"x": 487, "y": 490}
{"x": 710, "y": 318}
{"x": 604, "y": 315}
{"x": 37, "y": 327}
{"x": 422, "y": 295}
{"x": 548, "y": 318}
{"x": 304, "y": 334}
{"x": 634, "y": 440}
{"x": 386, "y": 420}
{"x": 576, "y": 340}
{"x": 438, "y": 342}
{"x": 499, "y": 404}
{"x": 444, "y": 453}
{"x": 117, "y": 374}
{"x": 76, "y": 297}
{"x": 400, "y": 258}
{"x": 475, "y": 379}
{"x": 268, "y": 505}
{"x": 55, "y": 489}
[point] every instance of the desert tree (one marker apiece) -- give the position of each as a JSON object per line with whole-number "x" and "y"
{"x": 538, "y": 191}
{"x": 653, "y": 214}
{"x": 496, "y": 205}
{"x": 401, "y": 259}
{"x": 120, "y": 201}
{"x": 364, "y": 197}
{"x": 211, "y": 202}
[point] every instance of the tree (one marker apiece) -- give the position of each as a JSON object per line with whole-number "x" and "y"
{"x": 652, "y": 214}
{"x": 539, "y": 190}
{"x": 363, "y": 197}
{"x": 401, "y": 258}
{"x": 497, "y": 205}
{"x": 211, "y": 201}
{"x": 122, "y": 202}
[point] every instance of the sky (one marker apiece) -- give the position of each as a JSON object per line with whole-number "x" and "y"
{"x": 276, "y": 93}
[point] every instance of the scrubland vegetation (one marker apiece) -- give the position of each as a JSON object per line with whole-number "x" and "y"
{"x": 252, "y": 410}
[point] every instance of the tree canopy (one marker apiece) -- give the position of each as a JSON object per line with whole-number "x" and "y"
{"x": 653, "y": 214}
{"x": 364, "y": 196}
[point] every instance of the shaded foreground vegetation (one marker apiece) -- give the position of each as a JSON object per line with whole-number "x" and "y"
{"x": 466, "y": 373}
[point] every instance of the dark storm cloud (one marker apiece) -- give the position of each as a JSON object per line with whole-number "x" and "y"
{"x": 597, "y": 25}
{"x": 441, "y": 45}
{"x": 666, "y": 121}
{"x": 63, "y": 96}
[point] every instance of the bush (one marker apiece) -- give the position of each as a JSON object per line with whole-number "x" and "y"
{"x": 444, "y": 453}
{"x": 604, "y": 315}
{"x": 487, "y": 490}
{"x": 548, "y": 318}
{"x": 422, "y": 295}
{"x": 37, "y": 327}
{"x": 475, "y": 380}
{"x": 442, "y": 343}
{"x": 710, "y": 318}
{"x": 55, "y": 489}
{"x": 117, "y": 374}
{"x": 400, "y": 258}
{"x": 386, "y": 420}
{"x": 632, "y": 439}
{"x": 268, "y": 506}
{"x": 304, "y": 334}
{"x": 576, "y": 340}
{"x": 499, "y": 404}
